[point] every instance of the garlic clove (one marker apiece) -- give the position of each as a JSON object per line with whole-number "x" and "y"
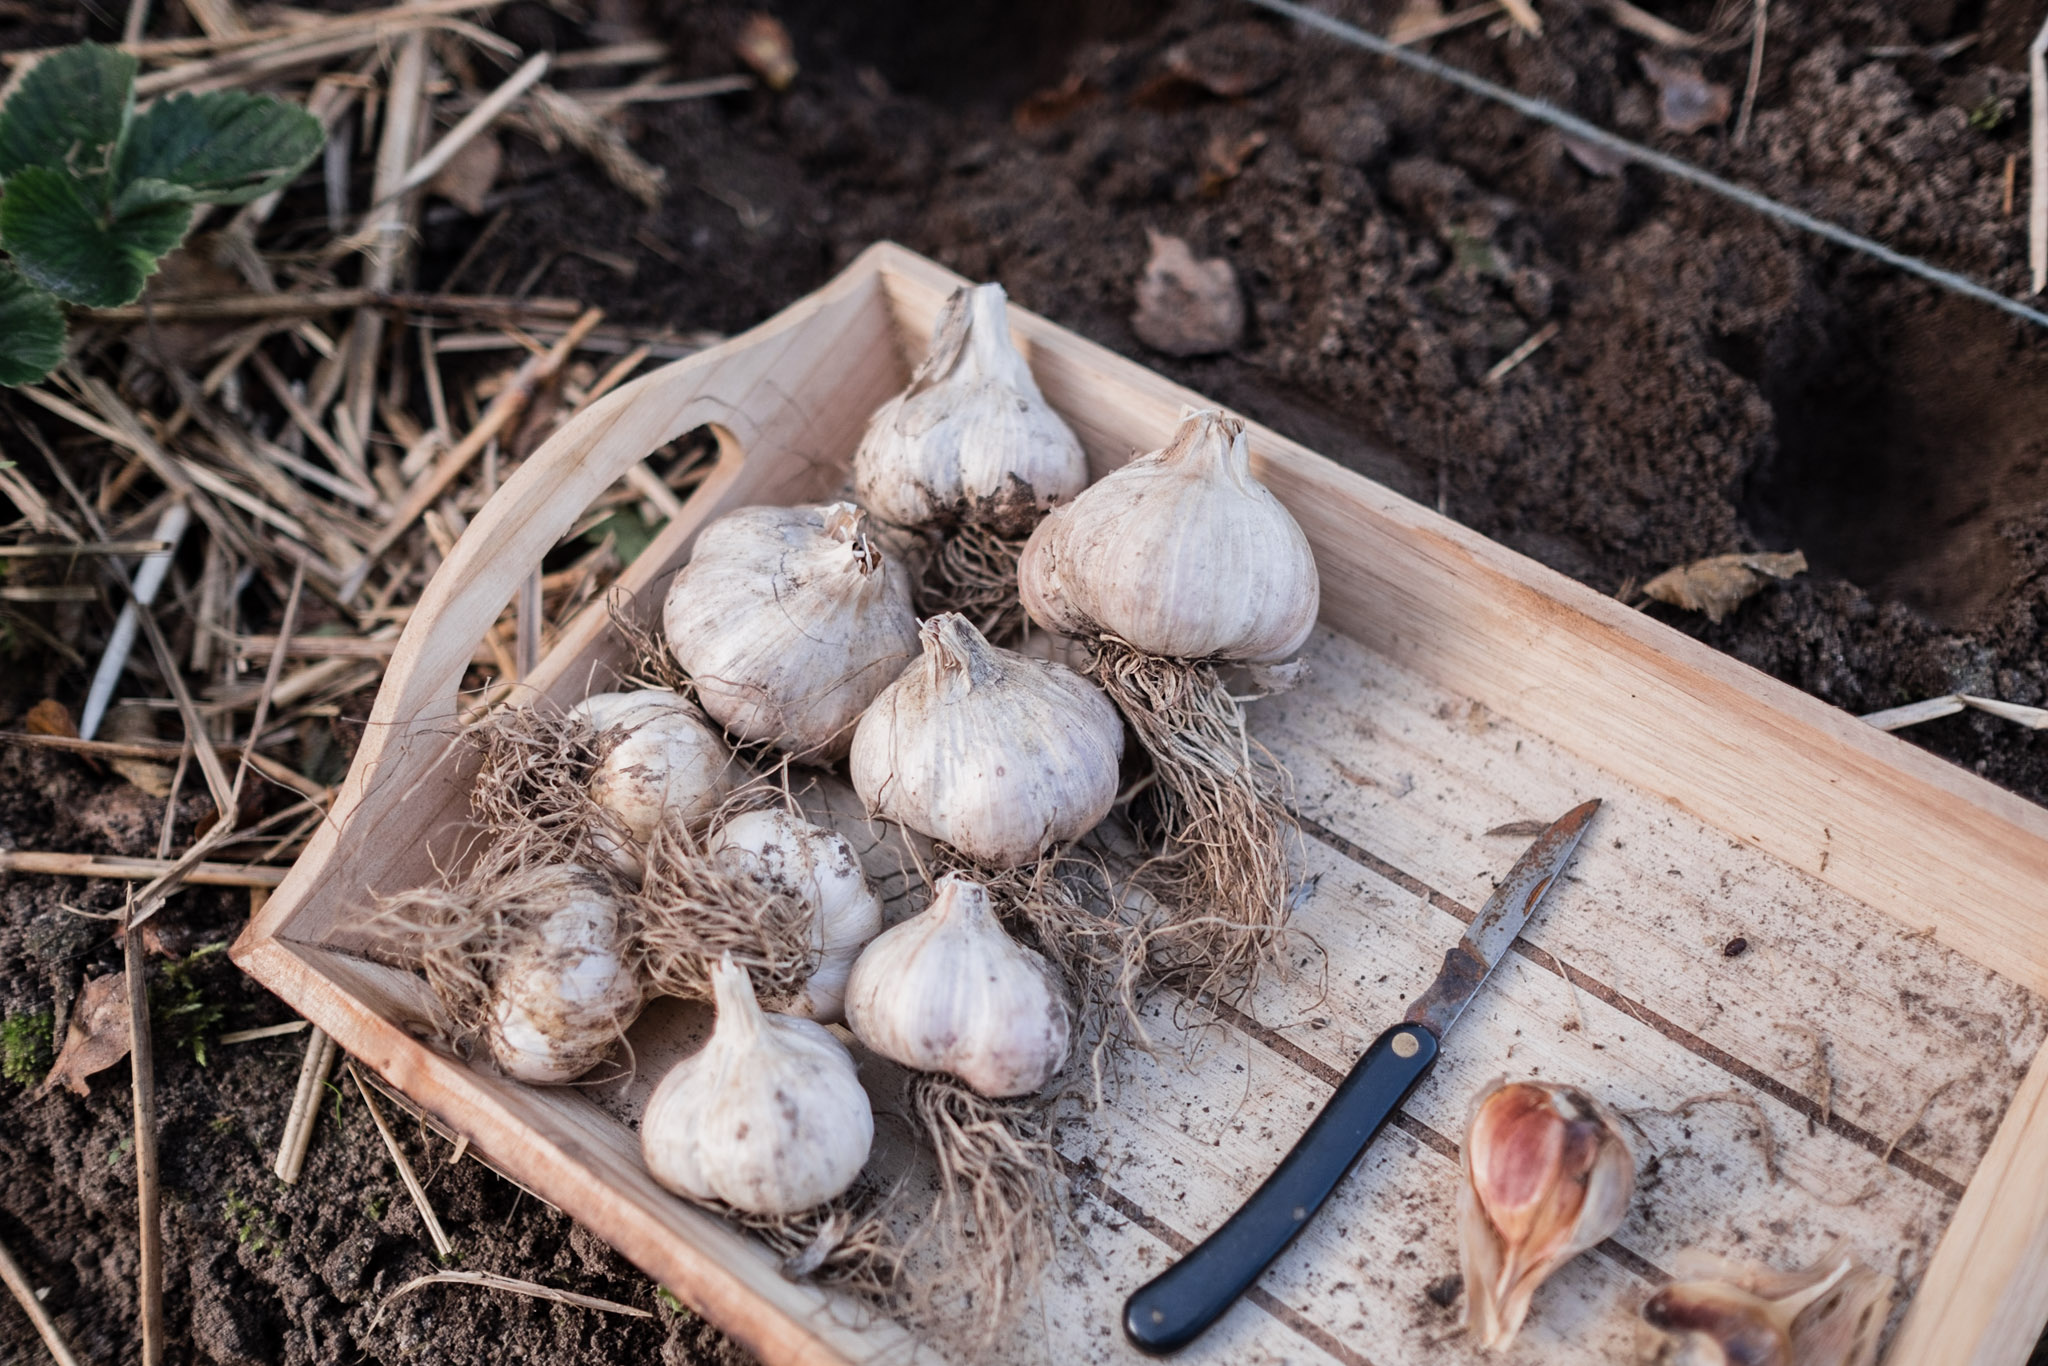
{"x": 972, "y": 439}
{"x": 949, "y": 990}
{"x": 994, "y": 753}
{"x": 660, "y": 761}
{"x": 1181, "y": 554}
{"x": 1720, "y": 1313}
{"x": 768, "y": 1117}
{"x": 819, "y": 868}
{"x": 562, "y": 998}
{"x": 1547, "y": 1175}
{"x": 789, "y": 621}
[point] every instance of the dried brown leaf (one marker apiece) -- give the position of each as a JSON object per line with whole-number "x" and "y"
{"x": 1187, "y": 307}
{"x": 1686, "y": 100}
{"x": 97, "y": 1037}
{"x": 763, "y": 44}
{"x": 1232, "y": 60}
{"x": 1044, "y": 108}
{"x": 51, "y": 717}
{"x": 469, "y": 174}
{"x": 1719, "y": 584}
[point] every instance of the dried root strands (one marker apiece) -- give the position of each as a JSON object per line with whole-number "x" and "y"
{"x": 692, "y": 911}
{"x": 1172, "y": 564}
{"x": 971, "y": 440}
{"x": 790, "y": 856}
{"x": 768, "y": 1117}
{"x": 530, "y": 961}
{"x": 1001, "y": 1204}
{"x": 533, "y": 780}
{"x": 995, "y": 754}
{"x": 849, "y": 1242}
{"x": 1547, "y": 1175}
{"x": 949, "y": 990}
{"x": 657, "y": 760}
{"x": 789, "y": 621}
{"x": 1721, "y": 1313}
{"x": 974, "y": 573}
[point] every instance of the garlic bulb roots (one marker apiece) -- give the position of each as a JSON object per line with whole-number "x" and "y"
{"x": 659, "y": 761}
{"x": 949, "y": 990}
{"x": 789, "y": 621}
{"x": 1547, "y": 1175}
{"x": 820, "y": 869}
{"x": 1720, "y": 1313}
{"x": 564, "y": 992}
{"x": 971, "y": 439}
{"x": 1180, "y": 553}
{"x": 996, "y": 754}
{"x": 768, "y": 1117}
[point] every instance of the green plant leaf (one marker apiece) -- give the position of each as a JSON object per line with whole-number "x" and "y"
{"x": 225, "y": 147}
{"x": 63, "y": 244}
{"x": 68, "y": 109}
{"x": 31, "y": 331}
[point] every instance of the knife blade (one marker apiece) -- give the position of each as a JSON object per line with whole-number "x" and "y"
{"x": 1172, "y": 1309}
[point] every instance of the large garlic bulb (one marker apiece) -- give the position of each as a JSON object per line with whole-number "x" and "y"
{"x": 971, "y": 439}
{"x": 1180, "y": 553}
{"x": 1547, "y": 1175}
{"x": 789, "y": 621}
{"x": 659, "y": 760}
{"x": 949, "y": 991}
{"x": 820, "y": 869}
{"x": 561, "y": 998}
{"x": 769, "y": 1116}
{"x": 996, "y": 754}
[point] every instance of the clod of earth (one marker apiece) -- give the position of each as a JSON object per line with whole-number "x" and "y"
{"x": 1187, "y": 307}
{"x": 1687, "y": 102}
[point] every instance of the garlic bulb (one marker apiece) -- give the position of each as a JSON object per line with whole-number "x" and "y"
{"x": 995, "y": 754}
{"x": 1180, "y": 553}
{"x": 769, "y": 1116}
{"x": 1725, "y": 1314}
{"x": 1547, "y": 1175}
{"x": 821, "y": 870}
{"x": 971, "y": 439}
{"x": 949, "y": 991}
{"x": 659, "y": 760}
{"x": 560, "y": 999}
{"x": 789, "y": 621}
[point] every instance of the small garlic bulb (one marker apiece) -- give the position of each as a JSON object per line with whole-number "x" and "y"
{"x": 769, "y": 1116}
{"x": 820, "y": 869}
{"x": 949, "y": 991}
{"x": 1180, "y": 553}
{"x": 971, "y": 439}
{"x": 1719, "y": 1313}
{"x": 564, "y": 996}
{"x": 1547, "y": 1175}
{"x": 659, "y": 760}
{"x": 789, "y": 621}
{"x": 996, "y": 754}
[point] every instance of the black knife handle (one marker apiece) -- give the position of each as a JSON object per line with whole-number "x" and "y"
{"x": 1174, "y": 1307}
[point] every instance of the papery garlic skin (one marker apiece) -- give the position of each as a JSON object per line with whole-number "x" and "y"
{"x": 1547, "y": 1175}
{"x": 972, "y": 439}
{"x": 660, "y": 760}
{"x": 1721, "y": 1313}
{"x": 789, "y": 621}
{"x": 1181, "y": 553}
{"x": 820, "y": 869}
{"x": 949, "y": 990}
{"x": 996, "y": 754}
{"x": 561, "y": 999}
{"x": 769, "y": 1116}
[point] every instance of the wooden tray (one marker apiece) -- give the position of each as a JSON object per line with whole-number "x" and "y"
{"x": 1884, "y": 1022}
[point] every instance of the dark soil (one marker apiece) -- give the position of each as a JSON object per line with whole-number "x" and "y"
{"x": 1717, "y": 383}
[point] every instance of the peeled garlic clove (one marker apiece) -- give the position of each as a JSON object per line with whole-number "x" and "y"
{"x": 1547, "y": 1175}
{"x": 971, "y": 439}
{"x": 789, "y": 621}
{"x": 769, "y": 1116}
{"x": 820, "y": 869}
{"x": 1181, "y": 553}
{"x": 562, "y": 997}
{"x": 996, "y": 754}
{"x": 660, "y": 760}
{"x": 949, "y": 991}
{"x": 1728, "y": 1314}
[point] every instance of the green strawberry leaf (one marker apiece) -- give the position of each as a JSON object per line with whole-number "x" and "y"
{"x": 62, "y": 243}
{"x": 31, "y": 331}
{"x": 224, "y": 147}
{"x": 69, "y": 108}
